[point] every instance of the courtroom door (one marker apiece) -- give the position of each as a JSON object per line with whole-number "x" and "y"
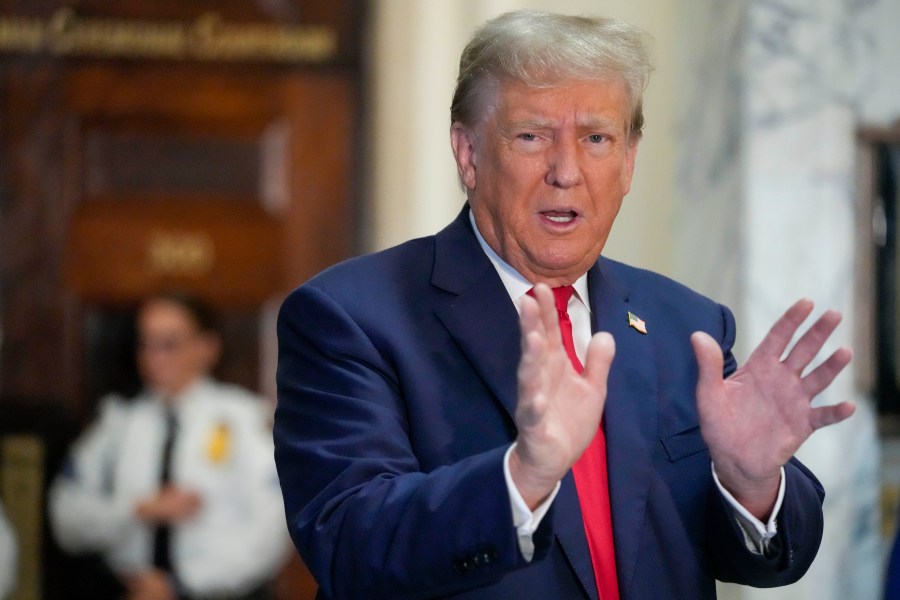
{"x": 233, "y": 179}
{"x": 146, "y": 145}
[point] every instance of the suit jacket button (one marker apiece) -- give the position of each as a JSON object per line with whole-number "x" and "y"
{"x": 464, "y": 564}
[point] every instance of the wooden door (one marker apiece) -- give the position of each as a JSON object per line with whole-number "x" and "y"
{"x": 131, "y": 164}
{"x": 232, "y": 179}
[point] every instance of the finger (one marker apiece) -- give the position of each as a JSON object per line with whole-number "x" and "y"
{"x": 548, "y": 314}
{"x": 529, "y": 317}
{"x": 533, "y": 349}
{"x": 821, "y": 377}
{"x": 781, "y": 333}
{"x": 812, "y": 341}
{"x": 531, "y": 403}
{"x": 829, "y": 415}
{"x": 709, "y": 364}
{"x": 600, "y": 353}
{"x": 533, "y": 339}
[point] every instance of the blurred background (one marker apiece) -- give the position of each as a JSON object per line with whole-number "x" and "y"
{"x": 234, "y": 148}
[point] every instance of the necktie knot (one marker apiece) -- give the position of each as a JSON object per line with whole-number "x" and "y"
{"x": 562, "y": 295}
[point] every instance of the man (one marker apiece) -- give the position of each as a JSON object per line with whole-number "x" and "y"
{"x": 176, "y": 489}
{"x": 433, "y": 443}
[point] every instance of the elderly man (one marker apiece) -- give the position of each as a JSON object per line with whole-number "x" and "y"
{"x": 447, "y": 424}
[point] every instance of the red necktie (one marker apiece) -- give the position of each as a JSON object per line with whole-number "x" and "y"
{"x": 591, "y": 478}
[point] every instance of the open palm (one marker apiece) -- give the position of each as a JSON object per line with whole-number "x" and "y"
{"x": 559, "y": 409}
{"x": 754, "y": 421}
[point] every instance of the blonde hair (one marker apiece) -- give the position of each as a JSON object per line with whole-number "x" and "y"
{"x": 541, "y": 49}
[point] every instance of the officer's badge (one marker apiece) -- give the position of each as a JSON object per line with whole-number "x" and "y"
{"x": 218, "y": 449}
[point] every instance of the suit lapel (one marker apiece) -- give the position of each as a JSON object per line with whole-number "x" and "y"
{"x": 630, "y": 415}
{"x": 477, "y": 311}
{"x": 630, "y": 426}
{"x": 478, "y": 314}
{"x": 569, "y": 527}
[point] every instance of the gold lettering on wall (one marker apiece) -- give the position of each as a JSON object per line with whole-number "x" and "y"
{"x": 180, "y": 253}
{"x": 209, "y": 38}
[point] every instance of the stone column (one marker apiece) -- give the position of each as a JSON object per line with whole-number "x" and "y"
{"x": 766, "y": 216}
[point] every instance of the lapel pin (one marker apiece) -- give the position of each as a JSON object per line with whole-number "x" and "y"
{"x": 637, "y": 323}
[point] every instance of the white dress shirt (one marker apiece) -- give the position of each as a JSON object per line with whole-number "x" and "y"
{"x": 756, "y": 533}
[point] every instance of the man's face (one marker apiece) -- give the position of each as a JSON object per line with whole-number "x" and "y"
{"x": 546, "y": 172}
{"x": 172, "y": 352}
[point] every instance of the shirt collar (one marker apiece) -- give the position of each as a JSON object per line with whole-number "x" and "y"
{"x": 516, "y": 285}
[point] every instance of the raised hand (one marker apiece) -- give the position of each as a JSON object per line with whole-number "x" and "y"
{"x": 754, "y": 421}
{"x": 559, "y": 410}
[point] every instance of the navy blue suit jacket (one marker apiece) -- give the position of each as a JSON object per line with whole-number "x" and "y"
{"x": 396, "y": 395}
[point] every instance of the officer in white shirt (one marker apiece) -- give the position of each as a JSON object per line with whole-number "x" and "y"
{"x": 176, "y": 488}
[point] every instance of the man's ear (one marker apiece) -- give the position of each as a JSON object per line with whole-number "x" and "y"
{"x": 628, "y": 167}
{"x": 462, "y": 140}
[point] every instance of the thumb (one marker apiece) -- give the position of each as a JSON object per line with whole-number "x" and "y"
{"x": 709, "y": 363}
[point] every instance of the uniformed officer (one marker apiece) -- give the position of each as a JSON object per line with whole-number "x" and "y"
{"x": 176, "y": 488}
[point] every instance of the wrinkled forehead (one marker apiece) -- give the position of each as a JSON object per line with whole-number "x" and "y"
{"x": 595, "y": 100}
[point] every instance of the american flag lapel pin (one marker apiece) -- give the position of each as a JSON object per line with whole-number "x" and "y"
{"x": 637, "y": 323}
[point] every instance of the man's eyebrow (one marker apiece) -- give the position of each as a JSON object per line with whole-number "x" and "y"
{"x": 595, "y": 121}
{"x": 530, "y": 124}
{"x": 587, "y": 122}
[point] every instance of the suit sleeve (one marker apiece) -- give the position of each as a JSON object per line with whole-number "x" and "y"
{"x": 367, "y": 520}
{"x": 800, "y": 523}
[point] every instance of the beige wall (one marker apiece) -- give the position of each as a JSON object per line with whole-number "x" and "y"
{"x": 412, "y": 187}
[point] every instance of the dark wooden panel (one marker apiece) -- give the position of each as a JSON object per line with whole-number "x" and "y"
{"x": 319, "y": 178}
{"x": 300, "y": 123}
{"x": 125, "y": 162}
{"x": 224, "y": 252}
{"x": 37, "y": 359}
{"x": 129, "y": 162}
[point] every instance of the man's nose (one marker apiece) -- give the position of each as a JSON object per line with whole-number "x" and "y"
{"x": 564, "y": 168}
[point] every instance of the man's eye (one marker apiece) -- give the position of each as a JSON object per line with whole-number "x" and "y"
{"x": 596, "y": 138}
{"x": 528, "y": 137}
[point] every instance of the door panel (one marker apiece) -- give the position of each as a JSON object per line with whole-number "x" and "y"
{"x": 120, "y": 177}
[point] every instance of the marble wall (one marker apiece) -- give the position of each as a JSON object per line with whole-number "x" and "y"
{"x": 773, "y": 94}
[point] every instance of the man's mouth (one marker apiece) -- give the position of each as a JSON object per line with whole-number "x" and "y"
{"x": 560, "y": 216}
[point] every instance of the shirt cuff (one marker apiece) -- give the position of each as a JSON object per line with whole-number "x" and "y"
{"x": 525, "y": 520}
{"x": 757, "y": 535}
